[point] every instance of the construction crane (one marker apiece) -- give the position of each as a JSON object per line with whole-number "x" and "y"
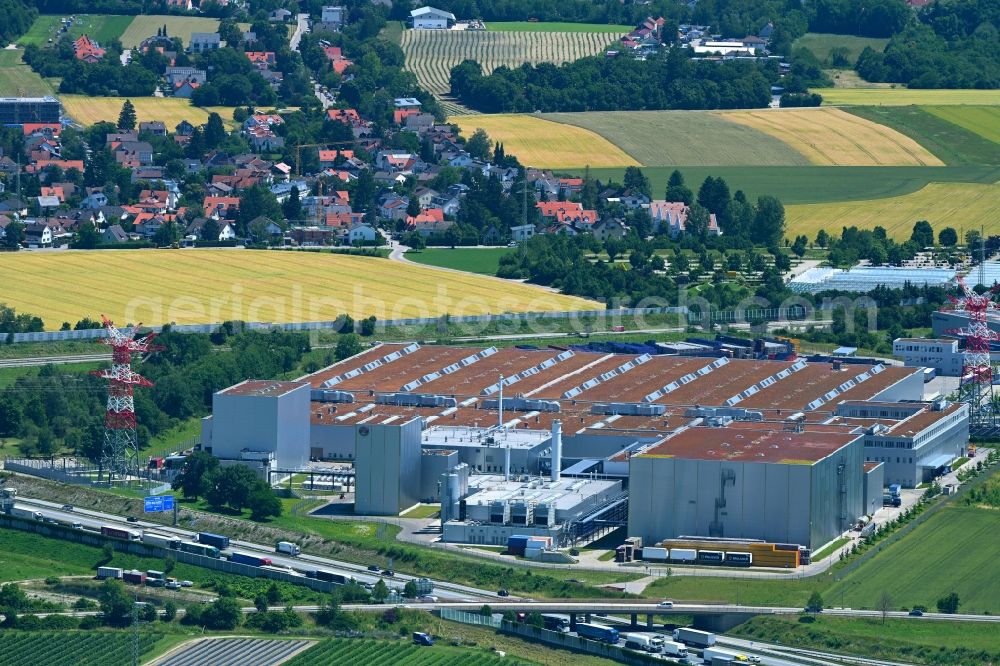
{"x": 299, "y": 147}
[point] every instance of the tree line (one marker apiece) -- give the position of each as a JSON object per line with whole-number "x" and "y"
{"x": 599, "y": 83}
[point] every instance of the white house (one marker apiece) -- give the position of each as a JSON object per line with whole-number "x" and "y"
{"x": 363, "y": 233}
{"x": 522, "y": 232}
{"x": 429, "y": 18}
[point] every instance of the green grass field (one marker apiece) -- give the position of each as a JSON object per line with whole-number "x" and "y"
{"x": 813, "y": 184}
{"x": 484, "y": 261}
{"x": 684, "y": 137}
{"x": 922, "y": 642}
{"x": 941, "y": 130}
{"x": 102, "y": 27}
{"x": 982, "y": 120}
{"x": 954, "y": 550}
{"x": 16, "y": 78}
{"x": 336, "y": 651}
{"x": 821, "y": 44}
{"x": 544, "y": 26}
{"x": 905, "y": 97}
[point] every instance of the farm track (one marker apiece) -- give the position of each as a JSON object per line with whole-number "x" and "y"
{"x": 431, "y": 54}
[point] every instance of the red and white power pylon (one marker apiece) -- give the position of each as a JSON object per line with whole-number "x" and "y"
{"x": 120, "y": 455}
{"x": 976, "y": 388}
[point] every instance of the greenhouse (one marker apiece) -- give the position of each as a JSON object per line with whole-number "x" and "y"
{"x": 866, "y": 278}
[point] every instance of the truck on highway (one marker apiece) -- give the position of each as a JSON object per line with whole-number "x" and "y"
{"x": 218, "y": 540}
{"x": 119, "y": 533}
{"x": 331, "y": 577}
{"x": 711, "y": 653}
{"x": 27, "y": 514}
{"x": 251, "y": 560}
{"x": 288, "y": 548}
{"x": 675, "y": 649}
{"x": 554, "y": 622}
{"x": 644, "y": 642}
{"x": 200, "y": 549}
{"x": 694, "y": 637}
{"x": 597, "y": 632}
{"x": 161, "y": 540}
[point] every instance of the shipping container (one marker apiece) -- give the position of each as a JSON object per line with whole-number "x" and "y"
{"x": 251, "y": 560}
{"x": 331, "y": 577}
{"x": 654, "y": 553}
{"x": 683, "y": 554}
{"x": 739, "y": 559}
{"x": 161, "y": 540}
{"x": 644, "y": 642}
{"x": 134, "y": 576}
{"x": 109, "y": 572}
{"x": 200, "y": 549}
{"x": 711, "y": 556}
{"x": 718, "y": 653}
{"x": 119, "y": 533}
{"x": 597, "y": 632}
{"x": 218, "y": 540}
{"x": 153, "y": 573}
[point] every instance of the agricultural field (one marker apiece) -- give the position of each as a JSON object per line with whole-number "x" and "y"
{"x": 832, "y": 137}
{"x": 940, "y": 129}
{"x": 212, "y": 285}
{"x": 957, "y": 205}
{"x": 953, "y": 551}
{"x": 171, "y": 110}
{"x": 16, "y": 78}
{"x": 981, "y": 120}
{"x": 430, "y": 54}
{"x": 177, "y": 26}
{"x": 80, "y": 648}
{"x": 544, "y": 26}
{"x": 484, "y": 261}
{"x": 813, "y": 184}
{"x": 102, "y": 27}
{"x": 821, "y": 44}
{"x": 682, "y": 137}
{"x": 261, "y": 652}
{"x": 546, "y": 144}
{"x": 905, "y": 97}
{"x": 336, "y": 651}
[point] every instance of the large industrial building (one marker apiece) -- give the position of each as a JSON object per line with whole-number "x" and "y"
{"x": 21, "y": 110}
{"x": 568, "y": 443}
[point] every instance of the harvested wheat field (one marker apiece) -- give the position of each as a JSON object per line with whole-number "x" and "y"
{"x": 213, "y": 285}
{"x": 177, "y": 26}
{"x": 957, "y": 205}
{"x": 882, "y": 96}
{"x": 545, "y": 144}
{"x": 831, "y": 137}
{"x": 171, "y": 110}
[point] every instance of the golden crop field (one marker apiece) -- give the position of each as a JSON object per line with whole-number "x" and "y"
{"x": 904, "y": 96}
{"x": 430, "y": 54}
{"x": 214, "y": 285}
{"x": 545, "y": 144}
{"x": 957, "y": 205}
{"x": 177, "y": 26}
{"x": 832, "y": 137}
{"x": 171, "y": 110}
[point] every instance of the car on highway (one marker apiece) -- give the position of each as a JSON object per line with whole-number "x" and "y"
{"x": 77, "y": 526}
{"x": 503, "y": 592}
{"x": 428, "y": 599}
{"x": 916, "y": 612}
{"x": 373, "y": 567}
{"x": 132, "y": 519}
{"x": 666, "y": 603}
{"x": 67, "y": 507}
{"x": 754, "y": 659}
{"x": 388, "y": 572}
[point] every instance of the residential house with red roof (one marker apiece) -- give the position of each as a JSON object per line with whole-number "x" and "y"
{"x": 672, "y": 216}
{"x": 337, "y": 59}
{"x": 219, "y": 207}
{"x": 87, "y": 50}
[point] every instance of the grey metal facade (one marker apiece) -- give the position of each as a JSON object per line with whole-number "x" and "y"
{"x": 279, "y": 424}
{"x": 874, "y": 488}
{"x": 387, "y": 468}
{"x": 807, "y": 504}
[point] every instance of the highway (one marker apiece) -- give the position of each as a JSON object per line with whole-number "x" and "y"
{"x": 53, "y": 360}
{"x": 94, "y": 520}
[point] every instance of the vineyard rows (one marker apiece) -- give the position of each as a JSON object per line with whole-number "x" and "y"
{"x": 70, "y": 647}
{"x": 338, "y": 651}
{"x": 430, "y": 54}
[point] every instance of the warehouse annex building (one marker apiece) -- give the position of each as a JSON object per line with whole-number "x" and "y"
{"x": 669, "y": 445}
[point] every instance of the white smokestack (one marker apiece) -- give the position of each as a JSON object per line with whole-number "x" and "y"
{"x": 556, "y": 450}
{"x": 506, "y": 464}
{"x": 500, "y": 404}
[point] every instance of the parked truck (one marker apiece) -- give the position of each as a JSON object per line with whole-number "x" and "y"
{"x": 161, "y": 540}
{"x": 598, "y": 632}
{"x": 894, "y": 489}
{"x": 644, "y": 642}
{"x": 109, "y": 572}
{"x": 288, "y": 548}
{"x": 718, "y": 653}
{"x": 694, "y": 637}
{"x": 251, "y": 560}
{"x": 675, "y": 649}
{"x": 218, "y": 540}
